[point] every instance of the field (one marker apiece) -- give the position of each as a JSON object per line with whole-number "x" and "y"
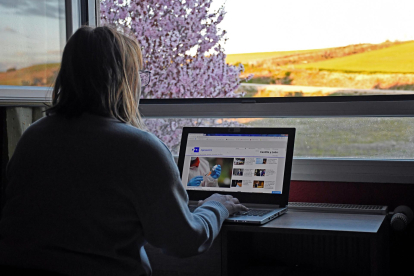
{"x": 340, "y": 137}
{"x": 36, "y": 75}
{"x": 384, "y": 66}
{"x": 255, "y": 57}
{"x": 388, "y": 66}
{"x": 378, "y": 138}
{"x": 395, "y": 59}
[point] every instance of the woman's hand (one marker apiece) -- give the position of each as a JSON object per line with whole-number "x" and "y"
{"x": 231, "y": 203}
{"x": 196, "y": 181}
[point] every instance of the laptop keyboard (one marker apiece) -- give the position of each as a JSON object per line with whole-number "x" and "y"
{"x": 253, "y": 212}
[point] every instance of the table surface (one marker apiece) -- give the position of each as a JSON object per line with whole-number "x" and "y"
{"x": 320, "y": 221}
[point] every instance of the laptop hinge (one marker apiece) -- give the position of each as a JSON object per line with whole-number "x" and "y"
{"x": 256, "y": 205}
{"x": 248, "y": 205}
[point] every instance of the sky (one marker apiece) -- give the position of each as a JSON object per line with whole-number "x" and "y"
{"x": 33, "y": 31}
{"x": 276, "y": 25}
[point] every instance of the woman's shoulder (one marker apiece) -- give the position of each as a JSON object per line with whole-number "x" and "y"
{"x": 104, "y": 130}
{"x": 36, "y": 127}
{"x": 152, "y": 142}
{"x": 142, "y": 139}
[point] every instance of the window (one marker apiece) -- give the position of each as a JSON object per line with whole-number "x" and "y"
{"x": 321, "y": 48}
{"x": 34, "y": 34}
{"x": 290, "y": 49}
{"x": 33, "y": 37}
{"x": 353, "y": 114}
{"x": 348, "y": 57}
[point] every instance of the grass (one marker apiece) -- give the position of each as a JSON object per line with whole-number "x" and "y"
{"x": 348, "y": 137}
{"x": 394, "y": 59}
{"x": 340, "y": 137}
{"x": 276, "y": 59}
{"x": 36, "y": 75}
{"x": 253, "y": 57}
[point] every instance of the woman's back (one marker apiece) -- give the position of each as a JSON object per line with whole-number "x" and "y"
{"x": 72, "y": 184}
{"x": 86, "y": 187}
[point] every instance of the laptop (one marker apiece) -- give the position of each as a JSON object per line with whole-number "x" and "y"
{"x": 251, "y": 164}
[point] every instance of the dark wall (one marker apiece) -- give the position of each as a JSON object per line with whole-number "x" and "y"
{"x": 389, "y": 194}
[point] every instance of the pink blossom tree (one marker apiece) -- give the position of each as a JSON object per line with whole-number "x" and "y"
{"x": 182, "y": 47}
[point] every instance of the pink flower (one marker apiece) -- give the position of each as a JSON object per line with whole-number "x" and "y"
{"x": 182, "y": 50}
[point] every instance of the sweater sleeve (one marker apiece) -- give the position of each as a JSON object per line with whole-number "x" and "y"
{"x": 163, "y": 208}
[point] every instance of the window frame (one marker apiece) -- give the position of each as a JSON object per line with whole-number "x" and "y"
{"x": 39, "y": 96}
{"x": 304, "y": 169}
{"x": 73, "y": 16}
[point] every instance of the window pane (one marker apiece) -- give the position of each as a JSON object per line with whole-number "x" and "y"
{"x": 33, "y": 36}
{"x": 292, "y": 48}
{"x": 371, "y": 138}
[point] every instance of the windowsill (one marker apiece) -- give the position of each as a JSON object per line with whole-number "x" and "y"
{"x": 25, "y": 95}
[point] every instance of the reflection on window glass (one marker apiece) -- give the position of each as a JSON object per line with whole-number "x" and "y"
{"x": 371, "y": 138}
{"x": 287, "y": 48}
{"x": 169, "y": 130}
{"x": 33, "y": 35}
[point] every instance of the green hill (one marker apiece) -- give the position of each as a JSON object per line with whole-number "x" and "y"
{"x": 394, "y": 59}
{"x": 252, "y": 57}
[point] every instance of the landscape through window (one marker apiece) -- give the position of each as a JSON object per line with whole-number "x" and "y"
{"x": 198, "y": 49}
{"x": 33, "y": 36}
{"x": 322, "y": 48}
{"x": 287, "y": 49}
{"x": 295, "y": 48}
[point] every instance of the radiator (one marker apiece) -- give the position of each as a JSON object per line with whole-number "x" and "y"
{"x": 339, "y": 254}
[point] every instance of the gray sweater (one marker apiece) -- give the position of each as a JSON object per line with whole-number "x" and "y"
{"x": 85, "y": 195}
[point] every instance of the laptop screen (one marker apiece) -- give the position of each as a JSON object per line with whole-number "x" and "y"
{"x": 226, "y": 162}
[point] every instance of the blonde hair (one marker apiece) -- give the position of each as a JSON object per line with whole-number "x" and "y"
{"x": 99, "y": 74}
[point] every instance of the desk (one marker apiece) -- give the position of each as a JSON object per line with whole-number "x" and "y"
{"x": 345, "y": 244}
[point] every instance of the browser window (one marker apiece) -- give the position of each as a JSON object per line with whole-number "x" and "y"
{"x": 252, "y": 163}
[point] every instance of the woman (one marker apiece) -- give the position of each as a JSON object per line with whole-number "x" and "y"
{"x": 87, "y": 187}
